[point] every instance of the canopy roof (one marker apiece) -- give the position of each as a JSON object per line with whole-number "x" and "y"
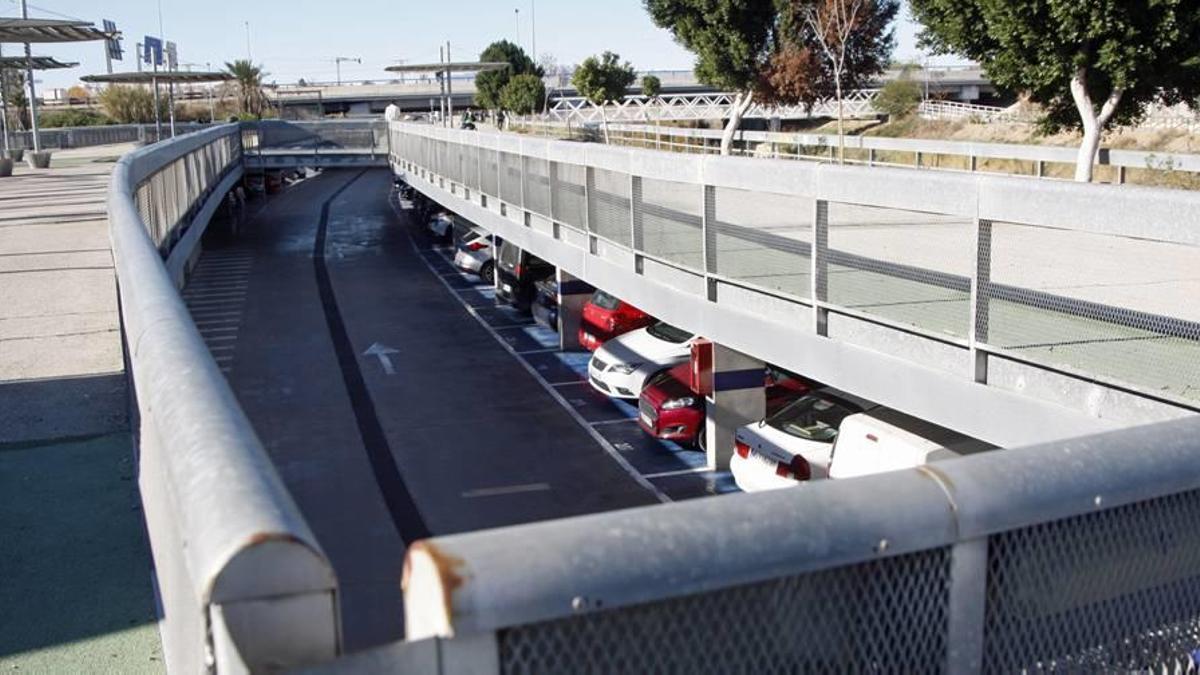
{"x": 458, "y": 66}
{"x": 39, "y": 63}
{"x": 49, "y": 30}
{"x": 162, "y": 76}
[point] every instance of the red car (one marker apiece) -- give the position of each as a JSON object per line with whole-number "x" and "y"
{"x": 668, "y": 408}
{"x": 605, "y": 317}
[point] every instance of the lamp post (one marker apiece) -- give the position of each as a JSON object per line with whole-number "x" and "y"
{"x": 339, "y": 59}
{"x": 33, "y": 114}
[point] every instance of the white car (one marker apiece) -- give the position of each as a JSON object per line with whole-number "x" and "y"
{"x": 622, "y": 365}
{"x": 473, "y": 254}
{"x": 794, "y": 444}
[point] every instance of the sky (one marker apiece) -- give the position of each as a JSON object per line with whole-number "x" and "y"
{"x": 300, "y": 38}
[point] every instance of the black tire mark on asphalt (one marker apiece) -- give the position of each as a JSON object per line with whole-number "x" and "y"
{"x": 405, "y": 516}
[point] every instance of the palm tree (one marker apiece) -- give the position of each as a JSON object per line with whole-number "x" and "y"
{"x": 249, "y": 77}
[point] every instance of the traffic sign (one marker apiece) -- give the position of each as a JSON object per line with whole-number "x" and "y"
{"x": 152, "y": 49}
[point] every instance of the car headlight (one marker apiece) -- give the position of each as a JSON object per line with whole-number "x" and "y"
{"x": 625, "y": 368}
{"x": 677, "y": 403}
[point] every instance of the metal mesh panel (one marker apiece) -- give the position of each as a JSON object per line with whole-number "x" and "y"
{"x": 906, "y": 266}
{"x": 510, "y": 178}
{"x": 762, "y": 238}
{"x": 669, "y": 216}
{"x": 470, "y": 166}
{"x": 569, "y": 196}
{"x": 453, "y": 167}
{"x": 537, "y": 186}
{"x": 887, "y": 615}
{"x": 609, "y": 206}
{"x": 1113, "y": 306}
{"x": 1117, "y": 590}
{"x": 490, "y": 182}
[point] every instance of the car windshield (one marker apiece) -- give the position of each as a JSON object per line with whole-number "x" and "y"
{"x": 604, "y": 300}
{"x": 509, "y": 254}
{"x": 813, "y": 418}
{"x": 669, "y": 333}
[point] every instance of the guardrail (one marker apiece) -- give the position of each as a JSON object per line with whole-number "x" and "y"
{"x": 1136, "y": 166}
{"x": 1076, "y": 556}
{"x": 242, "y": 581}
{"x": 82, "y": 137}
{"x": 704, "y": 106}
{"x": 325, "y": 143}
{"x": 1064, "y": 299}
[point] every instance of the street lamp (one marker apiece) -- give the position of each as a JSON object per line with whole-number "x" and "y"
{"x": 349, "y": 59}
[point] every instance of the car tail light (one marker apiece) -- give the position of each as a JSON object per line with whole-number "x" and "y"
{"x": 799, "y": 468}
{"x": 476, "y": 246}
{"x": 517, "y": 271}
{"x": 742, "y": 449}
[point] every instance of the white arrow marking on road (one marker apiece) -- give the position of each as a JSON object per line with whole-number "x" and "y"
{"x": 384, "y": 353}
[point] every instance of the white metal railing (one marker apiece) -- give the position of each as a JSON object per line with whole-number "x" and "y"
{"x": 242, "y": 582}
{"x": 956, "y": 110}
{"x": 578, "y": 110}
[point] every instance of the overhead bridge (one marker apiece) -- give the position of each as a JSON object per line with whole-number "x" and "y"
{"x": 1055, "y": 317}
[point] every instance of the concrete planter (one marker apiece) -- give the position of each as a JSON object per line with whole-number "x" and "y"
{"x": 39, "y": 160}
{"x": 17, "y": 155}
{"x": 6, "y": 167}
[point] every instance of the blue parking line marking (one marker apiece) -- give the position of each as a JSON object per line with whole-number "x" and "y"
{"x": 593, "y": 406}
{"x": 693, "y": 485}
{"x": 648, "y": 454}
{"x": 559, "y": 367}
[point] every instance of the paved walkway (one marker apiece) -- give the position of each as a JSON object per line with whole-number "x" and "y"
{"x": 75, "y": 569}
{"x": 60, "y": 350}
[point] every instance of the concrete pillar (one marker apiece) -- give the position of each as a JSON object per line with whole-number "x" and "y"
{"x": 573, "y": 294}
{"x": 737, "y": 398}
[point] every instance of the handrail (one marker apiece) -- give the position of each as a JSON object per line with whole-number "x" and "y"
{"x": 221, "y": 522}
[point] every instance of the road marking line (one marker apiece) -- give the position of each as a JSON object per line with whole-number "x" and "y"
{"x": 601, "y": 440}
{"x": 506, "y": 490}
{"x": 538, "y": 351}
{"x": 680, "y": 472}
{"x": 213, "y": 338}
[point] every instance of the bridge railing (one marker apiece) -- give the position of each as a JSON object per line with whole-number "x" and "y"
{"x": 1075, "y": 556}
{"x": 83, "y": 137}
{"x": 1078, "y": 295}
{"x": 241, "y": 579}
{"x": 1114, "y": 165}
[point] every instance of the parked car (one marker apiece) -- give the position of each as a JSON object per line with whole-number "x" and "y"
{"x": 622, "y": 365}
{"x": 517, "y": 272}
{"x": 605, "y": 317}
{"x": 545, "y": 303}
{"x": 831, "y": 434}
{"x": 669, "y": 409}
{"x": 473, "y": 254}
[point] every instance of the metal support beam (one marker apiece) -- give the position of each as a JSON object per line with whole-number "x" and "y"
{"x": 820, "y": 266}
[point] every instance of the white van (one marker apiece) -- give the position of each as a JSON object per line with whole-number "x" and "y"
{"x": 882, "y": 439}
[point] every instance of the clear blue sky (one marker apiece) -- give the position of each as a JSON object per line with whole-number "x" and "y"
{"x": 300, "y": 38}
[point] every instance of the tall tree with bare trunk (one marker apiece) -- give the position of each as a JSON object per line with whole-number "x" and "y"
{"x": 1089, "y": 64}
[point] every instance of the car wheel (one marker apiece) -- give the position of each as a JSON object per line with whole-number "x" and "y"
{"x": 488, "y": 273}
{"x": 702, "y": 438}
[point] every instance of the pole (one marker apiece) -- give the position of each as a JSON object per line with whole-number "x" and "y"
{"x": 157, "y": 107}
{"x": 449, "y": 88}
{"x": 33, "y": 114}
{"x": 249, "y": 56}
{"x": 533, "y": 29}
{"x": 138, "y": 46}
{"x": 442, "y": 86}
{"x": 4, "y": 102}
{"x": 517, "y": 12}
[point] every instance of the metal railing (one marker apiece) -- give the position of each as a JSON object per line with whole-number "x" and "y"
{"x": 1074, "y": 295}
{"x": 1044, "y": 161}
{"x": 83, "y": 137}
{"x": 716, "y": 106}
{"x": 320, "y": 143}
{"x": 242, "y": 581}
{"x": 1076, "y": 556}
{"x": 957, "y": 110}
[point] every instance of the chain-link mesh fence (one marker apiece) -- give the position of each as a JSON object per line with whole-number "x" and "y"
{"x": 569, "y": 196}
{"x": 761, "y": 238}
{"x": 905, "y": 266}
{"x": 883, "y": 616}
{"x": 667, "y": 221}
{"x": 608, "y": 204}
{"x": 1120, "y": 307}
{"x": 1113, "y": 591}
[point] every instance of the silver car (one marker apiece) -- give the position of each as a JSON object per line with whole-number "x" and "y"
{"x": 474, "y": 254}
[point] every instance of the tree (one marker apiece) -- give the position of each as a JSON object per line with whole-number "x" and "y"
{"x": 603, "y": 80}
{"x": 901, "y": 97}
{"x": 1090, "y": 64}
{"x": 127, "y": 104}
{"x": 13, "y": 81}
{"x": 651, "y": 86}
{"x": 852, "y": 36}
{"x": 732, "y": 41}
{"x": 523, "y": 94}
{"x": 249, "y": 77}
{"x": 489, "y": 84}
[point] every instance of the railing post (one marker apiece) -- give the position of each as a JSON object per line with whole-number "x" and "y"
{"x": 820, "y": 266}
{"x": 870, "y": 156}
{"x": 981, "y": 291}
{"x": 968, "y": 599}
